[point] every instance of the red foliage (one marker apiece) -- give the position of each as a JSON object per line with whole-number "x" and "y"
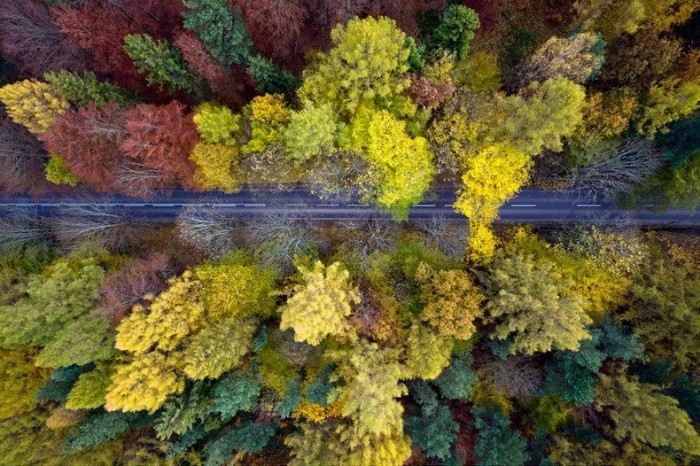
{"x": 131, "y": 284}
{"x": 234, "y": 88}
{"x": 31, "y": 39}
{"x": 466, "y": 439}
{"x": 161, "y": 137}
{"x": 21, "y": 158}
{"x": 429, "y": 93}
{"x": 88, "y": 138}
{"x": 489, "y": 12}
{"x": 99, "y": 27}
{"x": 405, "y": 12}
{"x": 274, "y": 25}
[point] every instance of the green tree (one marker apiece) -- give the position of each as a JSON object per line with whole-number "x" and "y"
{"x": 552, "y": 109}
{"x": 312, "y": 131}
{"x": 366, "y": 64}
{"x": 434, "y": 430}
{"x": 33, "y": 104}
{"x": 270, "y": 78}
{"x": 457, "y": 380}
{"x": 248, "y": 437}
{"x": 233, "y": 394}
{"x": 19, "y": 380}
{"x": 220, "y": 28}
{"x": 531, "y": 305}
{"x": 455, "y": 31}
{"x": 635, "y": 409}
{"x": 320, "y": 305}
{"x": 422, "y": 364}
{"x": 162, "y": 64}
{"x": 217, "y": 124}
{"x": 58, "y": 173}
{"x": 101, "y": 427}
{"x": 87, "y": 339}
{"x": 496, "y": 443}
{"x": 90, "y": 389}
{"x": 83, "y": 90}
{"x": 668, "y": 101}
{"x": 268, "y": 116}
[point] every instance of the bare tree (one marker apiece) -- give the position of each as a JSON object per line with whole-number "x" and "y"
{"x": 619, "y": 173}
{"x": 21, "y": 226}
{"x": 93, "y": 225}
{"x": 366, "y": 235}
{"x": 278, "y": 237}
{"x": 208, "y": 230}
{"x": 135, "y": 179}
{"x": 449, "y": 237}
{"x": 21, "y": 157}
{"x": 514, "y": 377}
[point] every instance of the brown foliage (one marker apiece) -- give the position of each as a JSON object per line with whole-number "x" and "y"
{"x": 489, "y": 12}
{"x": 131, "y": 284}
{"x": 161, "y": 137}
{"x": 99, "y": 27}
{"x": 88, "y": 138}
{"x": 430, "y": 93}
{"x": 274, "y": 25}
{"x": 21, "y": 158}
{"x": 31, "y": 39}
{"x": 234, "y": 86}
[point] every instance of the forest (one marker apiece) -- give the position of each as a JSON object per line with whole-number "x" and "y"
{"x": 371, "y": 341}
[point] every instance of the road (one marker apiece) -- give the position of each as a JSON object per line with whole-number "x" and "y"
{"x": 530, "y": 206}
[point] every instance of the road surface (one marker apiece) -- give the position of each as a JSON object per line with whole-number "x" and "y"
{"x": 529, "y": 206}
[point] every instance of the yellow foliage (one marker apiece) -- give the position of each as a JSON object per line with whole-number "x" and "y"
{"x": 421, "y": 363}
{"x": 216, "y": 166}
{"x": 33, "y": 104}
{"x": 481, "y": 243}
{"x": 144, "y": 384}
{"x": 320, "y": 306}
{"x": 268, "y": 115}
{"x": 452, "y": 301}
{"x": 485, "y": 395}
{"x": 310, "y": 411}
{"x": 62, "y": 418}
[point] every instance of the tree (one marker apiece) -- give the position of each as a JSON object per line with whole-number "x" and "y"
{"x": 366, "y": 64}
{"x": 57, "y": 173}
{"x": 319, "y": 307}
{"x": 550, "y": 111}
{"x": 275, "y": 24}
{"x": 66, "y": 291}
{"x": 612, "y": 17}
{"x": 88, "y": 139}
{"x": 86, "y": 89}
{"x": 21, "y": 157}
{"x": 667, "y": 102}
{"x": 271, "y": 79}
{"x": 33, "y": 41}
{"x": 422, "y": 364}
{"x": 101, "y": 427}
{"x": 434, "y": 431}
{"x": 632, "y": 406}
{"x": 162, "y": 138}
{"x": 496, "y": 444}
{"x": 220, "y": 28}
{"x": 452, "y": 301}
{"x": 457, "y": 380}
{"x": 217, "y": 124}
{"x": 20, "y": 380}
{"x": 268, "y": 115}
{"x": 577, "y": 58}
{"x": 89, "y": 391}
{"x": 33, "y": 104}
{"x": 531, "y": 305}
{"x": 455, "y": 31}
{"x": 81, "y": 342}
{"x": 162, "y": 64}
{"x": 400, "y": 168}
{"x": 215, "y": 167}
{"x": 311, "y": 132}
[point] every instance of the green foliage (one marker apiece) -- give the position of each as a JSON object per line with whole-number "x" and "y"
{"x": 221, "y": 29}
{"x": 292, "y": 398}
{"x": 455, "y": 31}
{"x": 162, "y": 64}
{"x": 81, "y": 342}
{"x": 311, "y": 131}
{"x": 216, "y": 124}
{"x": 496, "y": 443}
{"x": 101, "y": 427}
{"x": 457, "y": 380}
{"x": 65, "y": 292}
{"x": 59, "y": 386}
{"x": 271, "y": 79}
{"x": 248, "y": 437}
{"x": 90, "y": 389}
{"x": 668, "y": 101}
{"x": 682, "y": 141}
{"x": 572, "y": 374}
{"x": 19, "y": 380}
{"x": 434, "y": 430}
{"x": 416, "y": 59}
{"x": 548, "y": 414}
{"x": 83, "y": 90}
{"x": 181, "y": 413}
{"x": 233, "y": 394}
{"x": 366, "y": 65}
{"x": 58, "y": 173}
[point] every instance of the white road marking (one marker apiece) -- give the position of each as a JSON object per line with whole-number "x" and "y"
{"x": 523, "y": 205}
{"x": 424, "y": 205}
{"x": 327, "y": 205}
{"x": 296, "y": 205}
{"x": 358, "y": 205}
{"x": 449, "y": 205}
{"x": 587, "y": 205}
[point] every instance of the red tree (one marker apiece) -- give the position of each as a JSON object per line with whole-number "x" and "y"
{"x": 21, "y": 158}
{"x": 99, "y": 27}
{"x": 161, "y": 138}
{"x": 430, "y": 93}
{"x": 233, "y": 87}
{"x": 31, "y": 39}
{"x": 131, "y": 284}
{"x": 88, "y": 138}
{"x": 275, "y": 25}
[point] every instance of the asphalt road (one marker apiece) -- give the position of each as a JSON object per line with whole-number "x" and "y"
{"x": 530, "y": 206}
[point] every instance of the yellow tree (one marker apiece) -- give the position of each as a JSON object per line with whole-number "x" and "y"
{"x": 268, "y": 116}
{"x": 216, "y": 124}
{"x": 215, "y": 167}
{"x": 33, "y": 104}
{"x": 319, "y": 306}
{"x": 452, "y": 301}
{"x": 492, "y": 176}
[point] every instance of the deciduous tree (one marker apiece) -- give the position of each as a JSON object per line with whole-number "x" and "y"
{"x": 311, "y": 132}
{"x": 33, "y": 104}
